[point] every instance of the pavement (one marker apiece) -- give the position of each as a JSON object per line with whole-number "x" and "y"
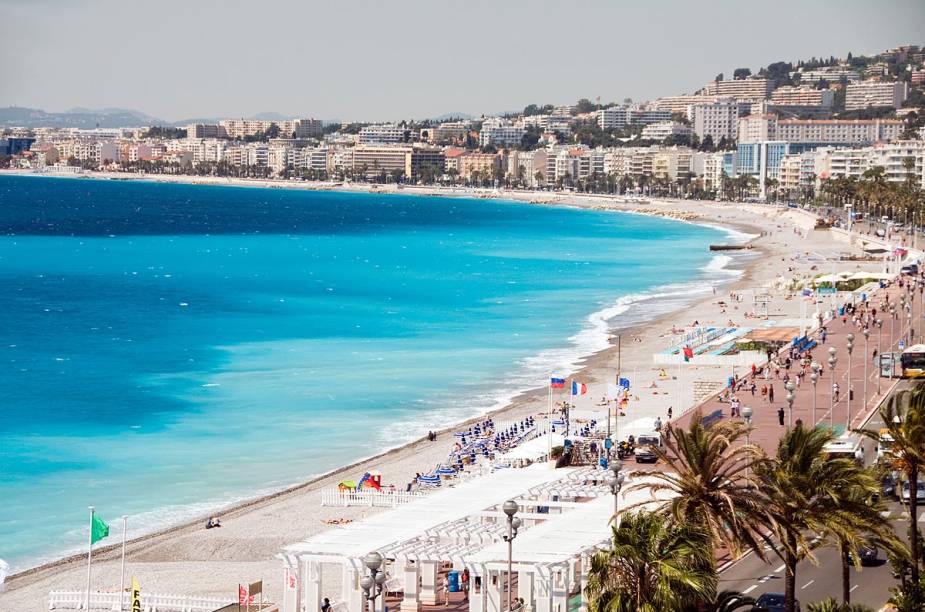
{"x": 816, "y": 582}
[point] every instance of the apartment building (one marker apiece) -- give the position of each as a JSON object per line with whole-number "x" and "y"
{"x": 501, "y": 133}
{"x": 802, "y": 96}
{"x": 205, "y": 130}
{"x": 453, "y": 132}
{"x": 830, "y": 74}
{"x": 718, "y": 119}
{"x": 485, "y": 164}
{"x": 789, "y": 172}
{"x": 751, "y": 90}
{"x": 524, "y": 165}
{"x": 374, "y": 160}
{"x": 566, "y": 164}
{"x": 674, "y": 163}
{"x": 618, "y": 117}
{"x": 241, "y": 128}
{"x": 901, "y": 161}
{"x": 387, "y": 133}
{"x": 423, "y": 160}
{"x": 809, "y": 133}
{"x": 665, "y": 129}
{"x": 761, "y": 160}
{"x": 278, "y": 158}
{"x": 680, "y": 104}
{"x": 875, "y": 93}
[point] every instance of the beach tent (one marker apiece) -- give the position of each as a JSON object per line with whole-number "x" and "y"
{"x": 345, "y": 485}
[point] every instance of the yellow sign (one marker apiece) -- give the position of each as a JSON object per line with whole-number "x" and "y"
{"x": 136, "y": 595}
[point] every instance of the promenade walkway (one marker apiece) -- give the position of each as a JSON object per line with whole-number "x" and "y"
{"x": 766, "y": 427}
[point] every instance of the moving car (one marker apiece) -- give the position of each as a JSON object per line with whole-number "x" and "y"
{"x": 888, "y": 487}
{"x": 644, "y": 444}
{"x": 772, "y": 602}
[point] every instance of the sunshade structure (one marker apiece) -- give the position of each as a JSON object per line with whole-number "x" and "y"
{"x": 454, "y": 525}
{"x": 773, "y": 335}
{"x": 871, "y": 276}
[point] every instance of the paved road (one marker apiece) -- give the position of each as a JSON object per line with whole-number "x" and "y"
{"x": 870, "y": 585}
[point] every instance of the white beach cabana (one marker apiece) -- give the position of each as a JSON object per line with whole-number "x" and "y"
{"x": 447, "y": 525}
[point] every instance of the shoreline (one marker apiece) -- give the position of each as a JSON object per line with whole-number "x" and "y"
{"x": 585, "y": 363}
{"x": 167, "y": 550}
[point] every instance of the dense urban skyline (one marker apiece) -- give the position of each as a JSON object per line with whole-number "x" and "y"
{"x": 404, "y": 60}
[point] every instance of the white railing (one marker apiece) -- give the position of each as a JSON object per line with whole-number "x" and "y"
{"x": 150, "y": 602}
{"x": 366, "y": 497}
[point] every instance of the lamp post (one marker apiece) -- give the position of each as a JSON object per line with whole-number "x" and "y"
{"x": 832, "y": 361}
{"x": 790, "y": 386}
{"x": 513, "y": 524}
{"x": 747, "y": 415}
{"x": 879, "y": 351}
{"x": 866, "y": 334}
{"x": 616, "y": 483}
{"x": 372, "y": 583}
{"x": 849, "y": 347}
{"x": 892, "y": 340}
{"x": 814, "y": 378}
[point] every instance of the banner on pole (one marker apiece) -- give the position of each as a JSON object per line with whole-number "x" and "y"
{"x": 136, "y": 596}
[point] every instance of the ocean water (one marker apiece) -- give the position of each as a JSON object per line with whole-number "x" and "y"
{"x": 165, "y": 349}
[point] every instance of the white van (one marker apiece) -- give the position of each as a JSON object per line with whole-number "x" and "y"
{"x": 847, "y": 446}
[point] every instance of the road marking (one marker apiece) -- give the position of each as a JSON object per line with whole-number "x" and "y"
{"x": 750, "y": 589}
{"x": 807, "y": 584}
{"x": 780, "y": 569}
{"x": 765, "y": 578}
{"x": 854, "y": 587}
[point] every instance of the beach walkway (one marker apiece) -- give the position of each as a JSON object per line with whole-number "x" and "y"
{"x": 765, "y": 422}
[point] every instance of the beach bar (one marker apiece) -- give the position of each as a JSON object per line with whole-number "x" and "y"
{"x": 565, "y": 515}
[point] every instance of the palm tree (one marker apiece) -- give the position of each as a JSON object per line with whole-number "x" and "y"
{"x": 903, "y": 416}
{"x": 850, "y": 530}
{"x": 651, "y": 566}
{"x": 705, "y": 476}
{"x": 803, "y": 492}
{"x": 830, "y": 605}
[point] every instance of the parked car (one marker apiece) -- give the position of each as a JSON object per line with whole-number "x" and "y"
{"x": 772, "y": 602}
{"x": 644, "y": 445}
{"x": 919, "y": 491}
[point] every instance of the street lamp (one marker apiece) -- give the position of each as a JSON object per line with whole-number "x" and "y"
{"x": 372, "y": 583}
{"x": 747, "y": 415}
{"x": 814, "y": 378}
{"x": 866, "y": 333}
{"x": 849, "y": 347}
{"x": 879, "y": 352}
{"x": 510, "y": 508}
{"x": 790, "y": 386}
{"x": 616, "y": 483}
{"x": 832, "y": 361}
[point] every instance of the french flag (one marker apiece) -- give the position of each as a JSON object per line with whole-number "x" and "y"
{"x": 557, "y": 383}
{"x": 579, "y": 388}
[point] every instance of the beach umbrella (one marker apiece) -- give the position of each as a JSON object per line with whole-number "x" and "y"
{"x": 445, "y": 471}
{"x": 429, "y": 479}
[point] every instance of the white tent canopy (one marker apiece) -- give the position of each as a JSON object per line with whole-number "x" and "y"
{"x": 532, "y": 449}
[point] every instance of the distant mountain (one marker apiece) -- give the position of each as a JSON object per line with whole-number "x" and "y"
{"x": 86, "y": 118}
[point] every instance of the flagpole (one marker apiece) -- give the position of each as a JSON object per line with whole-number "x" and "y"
{"x": 122, "y": 570}
{"x": 549, "y": 420}
{"x": 89, "y": 554}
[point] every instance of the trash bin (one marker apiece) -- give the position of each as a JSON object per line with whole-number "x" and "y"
{"x": 453, "y": 578}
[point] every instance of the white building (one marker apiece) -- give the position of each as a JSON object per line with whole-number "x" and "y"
{"x": 717, "y": 120}
{"x": 818, "y": 132}
{"x": 802, "y": 96}
{"x": 501, "y": 132}
{"x": 875, "y": 93}
{"x": 665, "y": 129}
{"x": 387, "y": 133}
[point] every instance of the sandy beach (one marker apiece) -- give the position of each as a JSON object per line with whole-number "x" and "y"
{"x": 187, "y": 559}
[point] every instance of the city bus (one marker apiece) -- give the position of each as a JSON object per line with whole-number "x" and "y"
{"x": 912, "y": 361}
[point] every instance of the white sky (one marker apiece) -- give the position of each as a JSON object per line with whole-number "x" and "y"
{"x": 394, "y": 59}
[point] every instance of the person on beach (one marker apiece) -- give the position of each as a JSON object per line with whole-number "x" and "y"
{"x": 446, "y": 591}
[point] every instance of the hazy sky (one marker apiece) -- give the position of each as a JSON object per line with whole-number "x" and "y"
{"x": 393, "y": 59}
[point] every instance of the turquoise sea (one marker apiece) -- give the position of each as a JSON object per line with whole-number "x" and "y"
{"x": 168, "y": 348}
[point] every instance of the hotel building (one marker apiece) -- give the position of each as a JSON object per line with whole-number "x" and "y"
{"x": 874, "y": 93}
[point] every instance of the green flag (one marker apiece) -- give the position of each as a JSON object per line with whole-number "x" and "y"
{"x": 98, "y": 529}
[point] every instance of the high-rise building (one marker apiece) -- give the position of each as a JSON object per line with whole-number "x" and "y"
{"x": 811, "y": 133}
{"x": 719, "y": 119}
{"x": 751, "y": 90}
{"x": 387, "y": 133}
{"x": 501, "y": 132}
{"x": 802, "y": 96}
{"x": 875, "y": 93}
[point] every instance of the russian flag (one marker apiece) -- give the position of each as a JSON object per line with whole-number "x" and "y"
{"x": 579, "y": 388}
{"x": 557, "y": 383}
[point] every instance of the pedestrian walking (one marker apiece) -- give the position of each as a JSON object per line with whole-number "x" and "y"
{"x": 771, "y": 393}
{"x": 835, "y": 391}
{"x": 780, "y": 415}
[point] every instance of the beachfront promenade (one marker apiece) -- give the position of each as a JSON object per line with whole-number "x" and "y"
{"x": 765, "y": 422}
